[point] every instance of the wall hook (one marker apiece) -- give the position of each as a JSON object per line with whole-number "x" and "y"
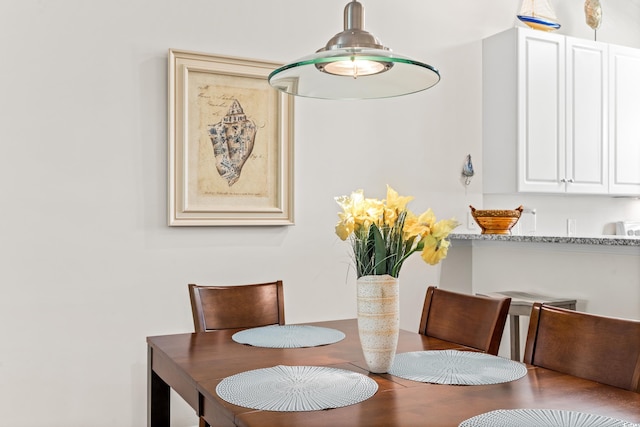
{"x": 467, "y": 170}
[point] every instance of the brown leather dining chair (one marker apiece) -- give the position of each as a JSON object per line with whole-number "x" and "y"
{"x": 471, "y": 320}
{"x": 597, "y": 348}
{"x": 241, "y": 306}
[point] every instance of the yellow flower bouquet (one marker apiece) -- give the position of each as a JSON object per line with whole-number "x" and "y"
{"x": 384, "y": 233}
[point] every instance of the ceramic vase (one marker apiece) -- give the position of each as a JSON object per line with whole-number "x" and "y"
{"x": 378, "y": 320}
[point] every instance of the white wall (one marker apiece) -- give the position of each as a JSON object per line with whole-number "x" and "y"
{"x": 89, "y": 267}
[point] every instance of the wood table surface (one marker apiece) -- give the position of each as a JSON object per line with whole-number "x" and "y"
{"x": 194, "y": 364}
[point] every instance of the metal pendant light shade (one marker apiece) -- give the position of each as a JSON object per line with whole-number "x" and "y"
{"x": 354, "y": 65}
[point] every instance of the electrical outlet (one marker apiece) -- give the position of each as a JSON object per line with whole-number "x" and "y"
{"x": 571, "y": 227}
{"x": 471, "y": 223}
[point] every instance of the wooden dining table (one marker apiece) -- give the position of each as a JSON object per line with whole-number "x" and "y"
{"x": 193, "y": 364}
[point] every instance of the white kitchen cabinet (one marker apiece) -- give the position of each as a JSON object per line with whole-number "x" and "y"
{"x": 624, "y": 105}
{"x": 523, "y": 112}
{"x": 587, "y": 138}
{"x": 544, "y": 114}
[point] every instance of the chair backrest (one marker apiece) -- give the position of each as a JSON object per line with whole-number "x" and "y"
{"x": 598, "y": 348}
{"x": 231, "y": 307}
{"x": 471, "y": 320}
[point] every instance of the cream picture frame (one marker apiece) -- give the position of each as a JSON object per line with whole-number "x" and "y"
{"x": 230, "y": 159}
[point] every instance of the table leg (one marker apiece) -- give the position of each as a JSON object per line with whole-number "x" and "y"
{"x": 514, "y": 335}
{"x": 158, "y": 398}
{"x": 203, "y": 422}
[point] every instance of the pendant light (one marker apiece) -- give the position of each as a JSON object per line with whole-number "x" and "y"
{"x": 354, "y": 65}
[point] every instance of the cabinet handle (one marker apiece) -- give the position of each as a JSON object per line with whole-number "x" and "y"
{"x": 563, "y": 180}
{"x": 570, "y": 180}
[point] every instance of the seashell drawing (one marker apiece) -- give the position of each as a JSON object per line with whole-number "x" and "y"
{"x": 593, "y": 13}
{"x": 232, "y": 140}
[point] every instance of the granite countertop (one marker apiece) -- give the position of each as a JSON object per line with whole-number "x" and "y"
{"x": 601, "y": 240}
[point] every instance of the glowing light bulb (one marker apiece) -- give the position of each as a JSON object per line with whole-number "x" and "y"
{"x": 355, "y": 67}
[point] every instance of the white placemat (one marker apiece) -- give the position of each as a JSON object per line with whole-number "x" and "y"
{"x": 296, "y": 388}
{"x": 288, "y": 336}
{"x": 542, "y": 418}
{"x": 456, "y": 367}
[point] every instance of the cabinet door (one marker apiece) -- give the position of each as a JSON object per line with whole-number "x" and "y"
{"x": 541, "y": 112}
{"x": 624, "y": 121}
{"x": 587, "y": 152}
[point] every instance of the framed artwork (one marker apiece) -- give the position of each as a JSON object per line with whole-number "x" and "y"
{"x": 230, "y": 143}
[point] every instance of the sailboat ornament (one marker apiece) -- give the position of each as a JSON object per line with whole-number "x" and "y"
{"x": 539, "y": 15}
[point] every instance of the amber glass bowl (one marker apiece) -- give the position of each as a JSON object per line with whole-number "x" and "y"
{"x": 496, "y": 221}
